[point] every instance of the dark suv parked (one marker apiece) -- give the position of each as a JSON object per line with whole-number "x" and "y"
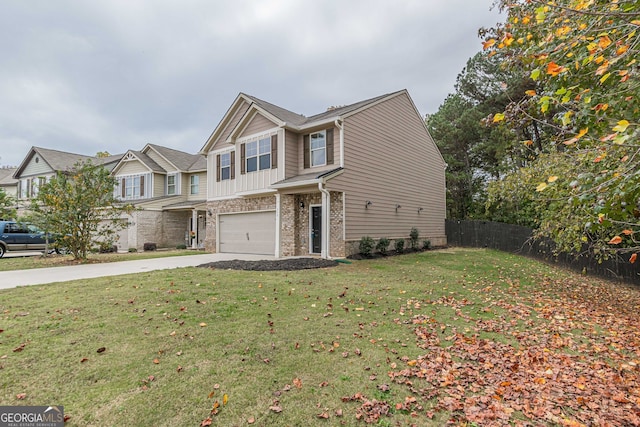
{"x": 15, "y": 236}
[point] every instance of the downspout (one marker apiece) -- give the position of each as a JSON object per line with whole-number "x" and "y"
{"x": 278, "y": 221}
{"x": 326, "y": 221}
{"x": 339, "y": 125}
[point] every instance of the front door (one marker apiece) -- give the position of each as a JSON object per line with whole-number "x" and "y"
{"x": 316, "y": 229}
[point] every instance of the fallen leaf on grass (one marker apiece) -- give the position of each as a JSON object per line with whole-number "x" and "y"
{"x": 84, "y": 359}
{"x": 19, "y": 348}
{"x": 202, "y": 324}
{"x": 206, "y": 422}
{"x": 251, "y": 420}
{"x": 101, "y": 350}
{"x": 297, "y": 382}
{"x": 21, "y": 396}
{"x": 323, "y": 416}
{"x": 276, "y": 408}
{"x": 156, "y": 361}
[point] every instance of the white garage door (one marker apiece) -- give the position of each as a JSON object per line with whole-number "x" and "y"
{"x": 248, "y": 233}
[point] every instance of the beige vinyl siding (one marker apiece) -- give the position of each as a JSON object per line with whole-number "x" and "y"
{"x": 258, "y": 124}
{"x": 391, "y": 159}
{"x": 291, "y": 143}
{"x": 160, "y": 160}
{"x": 159, "y": 183}
{"x": 319, "y": 169}
{"x": 37, "y": 168}
{"x": 132, "y": 167}
{"x": 202, "y": 190}
{"x": 233, "y": 121}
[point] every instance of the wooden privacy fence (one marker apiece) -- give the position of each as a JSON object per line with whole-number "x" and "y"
{"x": 518, "y": 239}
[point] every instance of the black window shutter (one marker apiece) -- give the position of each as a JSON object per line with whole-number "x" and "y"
{"x": 307, "y": 152}
{"x": 274, "y": 151}
{"x": 218, "y": 168}
{"x": 142, "y": 186}
{"x": 329, "y": 146}
{"x": 242, "y": 160}
{"x": 233, "y": 165}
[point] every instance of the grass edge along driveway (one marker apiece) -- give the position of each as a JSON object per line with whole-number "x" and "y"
{"x": 460, "y": 335}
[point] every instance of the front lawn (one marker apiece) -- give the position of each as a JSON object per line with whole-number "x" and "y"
{"x": 475, "y": 337}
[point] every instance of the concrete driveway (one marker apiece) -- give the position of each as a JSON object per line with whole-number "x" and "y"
{"x": 40, "y": 276}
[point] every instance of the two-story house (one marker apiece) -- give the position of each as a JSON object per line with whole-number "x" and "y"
{"x": 40, "y": 164}
{"x": 168, "y": 189}
{"x": 284, "y": 184}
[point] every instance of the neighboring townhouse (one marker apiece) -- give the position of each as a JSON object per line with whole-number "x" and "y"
{"x": 168, "y": 189}
{"x": 284, "y": 184}
{"x": 40, "y": 164}
{"x": 7, "y": 182}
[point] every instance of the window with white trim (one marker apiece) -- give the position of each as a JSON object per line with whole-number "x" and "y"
{"x": 318, "y": 148}
{"x": 225, "y": 166}
{"x": 171, "y": 185}
{"x": 258, "y": 155}
{"x": 195, "y": 184}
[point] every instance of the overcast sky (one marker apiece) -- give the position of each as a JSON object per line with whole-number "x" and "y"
{"x": 112, "y": 75}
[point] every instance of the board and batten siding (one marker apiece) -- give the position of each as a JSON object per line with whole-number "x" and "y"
{"x": 390, "y": 159}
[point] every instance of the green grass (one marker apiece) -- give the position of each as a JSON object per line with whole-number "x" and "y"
{"x": 177, "y": 341}
{"x": 39, "y": 261}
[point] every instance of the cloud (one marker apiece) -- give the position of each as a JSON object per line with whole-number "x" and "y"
{"x": 93, "y": 76}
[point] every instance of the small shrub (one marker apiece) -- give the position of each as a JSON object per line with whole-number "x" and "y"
{"x": 382, "y": 245}
{"x": 106, "y": 248}
{"x": 150, "y": 246}
{"x": 414, "y": 234}
{"x": 399, "y": 245}
{"x": 366, "y": 246}
{"x": 132, "y": 250}
{"x": 181, "y": 247}
{"x": 426, "y": 245}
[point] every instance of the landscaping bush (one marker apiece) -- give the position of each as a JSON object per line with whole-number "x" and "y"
{"x": 366, "y": 246}
{"x": 106, "y": 248}
{"x": 181, "y": 247}
{"x": 150, "y": 246}
{"x": 414, "y": 234}
{"x": 132, "y": 250}
{"x": 399, "y": 245}
{"x": 426, "y": 245}
{"x": 382, "y": 245}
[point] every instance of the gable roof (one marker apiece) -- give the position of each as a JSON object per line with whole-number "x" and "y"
{"x": 6, "y": 177}
{"x": 57, "y": 160}
{"x": 286, "y": 118}
{"x": 184, "y": 162}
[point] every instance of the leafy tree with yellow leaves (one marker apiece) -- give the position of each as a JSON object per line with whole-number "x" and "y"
{"x": 583, "y": 56}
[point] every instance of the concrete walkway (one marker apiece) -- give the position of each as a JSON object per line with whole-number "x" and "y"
{"x": 40, "y": 276}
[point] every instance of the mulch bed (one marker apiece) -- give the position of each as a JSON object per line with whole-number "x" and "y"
{"x": 289, "y": 264}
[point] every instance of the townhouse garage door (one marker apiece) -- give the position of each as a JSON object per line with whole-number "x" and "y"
{"x": 248, "y": 233}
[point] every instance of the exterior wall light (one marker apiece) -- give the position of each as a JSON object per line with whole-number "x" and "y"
{"x": 367, "y": 204}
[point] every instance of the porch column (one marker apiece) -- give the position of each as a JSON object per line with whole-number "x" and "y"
{"x": 194, "y": 228}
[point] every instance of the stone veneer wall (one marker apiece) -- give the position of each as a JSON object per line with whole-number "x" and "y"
{"x": 233, "y": 206}
{"x": 294, "y": 231}
{"x": 165, "y": 229}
